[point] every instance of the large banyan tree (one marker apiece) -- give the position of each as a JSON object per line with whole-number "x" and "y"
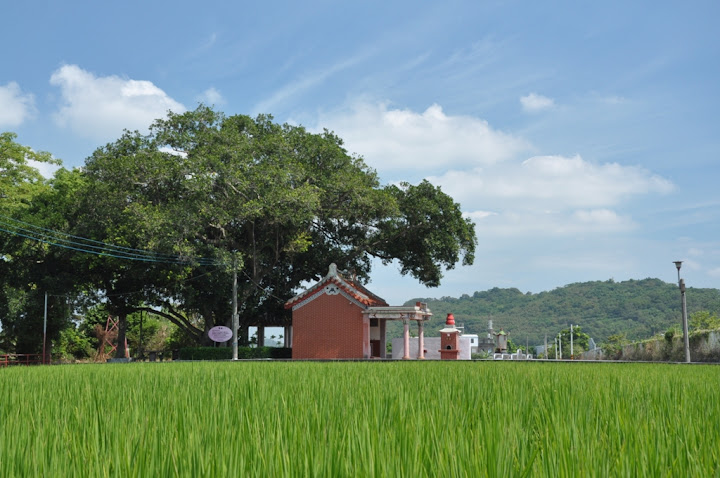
{"x": 211, "y": 194}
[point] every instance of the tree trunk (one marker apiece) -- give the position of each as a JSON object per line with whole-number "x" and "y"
{"x": 243, "y": 335}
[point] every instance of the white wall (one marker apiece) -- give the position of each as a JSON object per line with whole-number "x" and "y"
{"x": 432, "y": 347}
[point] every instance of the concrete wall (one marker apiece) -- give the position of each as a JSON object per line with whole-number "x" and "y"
{"x": 432, "y": 348}
{"x": 704, "y": 347}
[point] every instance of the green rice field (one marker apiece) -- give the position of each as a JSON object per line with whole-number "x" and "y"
{"x": 360, "y": 419}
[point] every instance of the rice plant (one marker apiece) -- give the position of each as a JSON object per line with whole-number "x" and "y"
{"x": 359, "y": 419}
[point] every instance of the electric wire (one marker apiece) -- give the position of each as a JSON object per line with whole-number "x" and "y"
{"x": 13, "y": 220}
{"x": 90, "y": 246}
{"x": 56, "y": 238}
{"x": 264, "y": 289}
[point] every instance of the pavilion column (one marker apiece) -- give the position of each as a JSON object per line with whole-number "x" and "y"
{"x": 261, "y": 336}
{"x": 406, "y": 339}
{"x": 383, "y": 339}
{"x": 288, "y": 336}
{"x": 421, "y": 340}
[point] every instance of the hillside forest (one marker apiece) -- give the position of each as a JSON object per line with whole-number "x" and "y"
{"x": 638, "y": 309}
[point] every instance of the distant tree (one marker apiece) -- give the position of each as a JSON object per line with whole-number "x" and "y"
{"x": 524, "y": 348}
{"x": 704, "y": 320}
{"x": 581, "y": 341}
{"x": 613, "y": 346}
{"x": 72, "y": 344}
{"x": 19, "y": 179}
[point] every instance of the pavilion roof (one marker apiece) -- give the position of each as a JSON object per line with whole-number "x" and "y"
{"x": 351, "y": 287}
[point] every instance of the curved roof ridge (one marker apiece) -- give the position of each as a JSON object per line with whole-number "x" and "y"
{"x": 356, "y": 290}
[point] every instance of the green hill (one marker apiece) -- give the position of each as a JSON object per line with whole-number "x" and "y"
{"x": 638, "y": 308}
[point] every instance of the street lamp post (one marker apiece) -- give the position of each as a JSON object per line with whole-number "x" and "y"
{"x": 683, "y": 304}
{"x": 235, "y": 318}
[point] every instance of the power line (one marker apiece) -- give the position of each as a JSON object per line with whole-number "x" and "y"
{"x": 90, "y": 246}
{"x": 13, "y": 221}
{"x": 264, "y": 289}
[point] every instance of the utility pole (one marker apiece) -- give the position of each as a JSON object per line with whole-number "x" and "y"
{"x": 235, "y": 324}
{"x": 686, "y": 335}
{"x": 560, "y": 344}
{"x": 45, "y": 328}
{"x": 140, "y": 346}
{"x": 683, "y": 305}
{"x": 572, "y": 355}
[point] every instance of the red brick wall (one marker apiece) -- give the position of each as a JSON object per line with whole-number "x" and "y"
{"x": 330, "y": 327}
{"x": 449, "y": 339}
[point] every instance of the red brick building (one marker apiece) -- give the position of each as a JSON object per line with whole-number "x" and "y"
{"x": 338, "y": 318}
{"x": 328, "y": 320}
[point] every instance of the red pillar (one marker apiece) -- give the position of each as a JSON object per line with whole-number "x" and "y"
{"x": 421, "y": 340}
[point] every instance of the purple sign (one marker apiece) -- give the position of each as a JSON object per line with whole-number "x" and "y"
{"x": 220, "y": 334}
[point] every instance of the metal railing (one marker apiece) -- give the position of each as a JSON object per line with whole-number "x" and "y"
{"x": 7, "y": 360}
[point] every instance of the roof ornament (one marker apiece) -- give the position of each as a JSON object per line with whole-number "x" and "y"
{"x": 332, "y": 270}
{"x": 450, "y": 325}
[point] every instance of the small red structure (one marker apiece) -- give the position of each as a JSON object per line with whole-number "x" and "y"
{"x": 328, "y": 320}
{"x": 449, "y": 340}
{"x": 106, "y": 337}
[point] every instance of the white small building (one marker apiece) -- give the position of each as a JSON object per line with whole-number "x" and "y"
{"x": 431, "y": 348}
{"x": 474, "y": 341}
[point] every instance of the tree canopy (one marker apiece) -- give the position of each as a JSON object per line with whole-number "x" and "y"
{"x": 21, "y": 300}
{"x": 203, "y": 193}
{"x": 18, "y": 177}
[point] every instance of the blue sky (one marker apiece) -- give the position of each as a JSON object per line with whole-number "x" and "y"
{"x": 582, "y": 137}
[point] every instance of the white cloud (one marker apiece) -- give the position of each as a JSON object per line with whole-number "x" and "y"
{"x": 550, "y": 195}
{"x": 306, "y": 82}
{"x": 543, "y": 196}
{"x": 211, "y": 97}
{"x": 45, "y": 169}
{"x": 479, "y": 215}
{"x": 15, "y": 106}
{"x": 551, "y": 182}
{"x": 394, "y": 139}
{"x": 533, "y": 103}
{"x": 101, "y": 107}
{"x": 536, "y": 224}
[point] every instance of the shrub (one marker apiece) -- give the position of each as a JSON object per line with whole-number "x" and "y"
{"x": 205, "y": 353}
{"x": 73, "y": 345}
{"x": 225, "y": 353}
